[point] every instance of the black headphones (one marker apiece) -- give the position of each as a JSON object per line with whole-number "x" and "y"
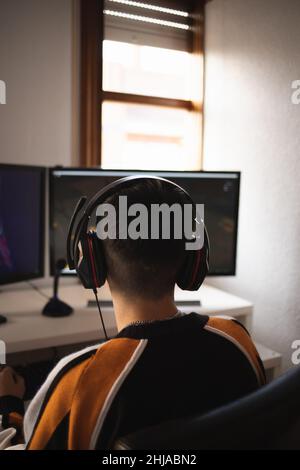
{"x": 90, "y": 263}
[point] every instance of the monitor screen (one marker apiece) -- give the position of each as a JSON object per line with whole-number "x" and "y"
{"x": 218, "y": 191}
{"x": 21, "y": 223}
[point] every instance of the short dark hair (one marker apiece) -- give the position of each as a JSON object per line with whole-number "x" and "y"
{"x": 145, "y": 267}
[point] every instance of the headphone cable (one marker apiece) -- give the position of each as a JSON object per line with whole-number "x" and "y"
{"x": 100, "y": 313}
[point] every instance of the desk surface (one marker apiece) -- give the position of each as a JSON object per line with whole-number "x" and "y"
{"x": 27, "y": 330}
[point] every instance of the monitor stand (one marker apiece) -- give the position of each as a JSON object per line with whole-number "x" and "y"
{"x": 2, "y": 319}
{"x": 103, "y": 303}
{"x": 182, "y": 299}
{"x": 188, "y": 303}
{"x": 179, "y": 303}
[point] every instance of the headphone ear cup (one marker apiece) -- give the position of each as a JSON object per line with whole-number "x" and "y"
{"x": 98, "y": 258}
{"x": 90, "y": 262}
{"x": 195, "y": 267}
{"x": 184, "y": 275}
{"x": 82, "y": 263}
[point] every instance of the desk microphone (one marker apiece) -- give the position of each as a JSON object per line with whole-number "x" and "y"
{"x": 56, "y": 307}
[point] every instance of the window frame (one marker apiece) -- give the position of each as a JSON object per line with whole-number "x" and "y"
{"x": 92, "y": 94}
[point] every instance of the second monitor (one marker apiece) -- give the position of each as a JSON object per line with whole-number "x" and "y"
{"x": 218, "y": 191}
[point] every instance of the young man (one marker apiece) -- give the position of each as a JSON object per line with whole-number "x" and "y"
{"x": 162, "y": 365}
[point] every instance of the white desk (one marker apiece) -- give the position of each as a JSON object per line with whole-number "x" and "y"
{"x": 28, "y": 331}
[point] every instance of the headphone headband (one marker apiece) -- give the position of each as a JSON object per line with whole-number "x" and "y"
{"x": 121, "y": 183}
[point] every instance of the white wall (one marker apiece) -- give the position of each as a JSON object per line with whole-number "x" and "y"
{"x": 37, "y": 63}
{"x": 252, "y": 56}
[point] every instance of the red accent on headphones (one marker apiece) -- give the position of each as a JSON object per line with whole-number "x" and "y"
{"x": 92, "y": 261}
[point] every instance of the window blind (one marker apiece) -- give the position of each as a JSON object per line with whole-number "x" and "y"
{"x": 166, "y": 24}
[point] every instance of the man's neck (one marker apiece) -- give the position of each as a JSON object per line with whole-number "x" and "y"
{"x": 133, "y": 310}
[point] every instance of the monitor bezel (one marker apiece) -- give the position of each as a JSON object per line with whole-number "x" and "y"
{"x": 124, "y": 172}
{"x": 41, "y": 268}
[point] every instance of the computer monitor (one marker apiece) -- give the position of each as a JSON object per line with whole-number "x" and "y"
{"x": 22, "y": 216}
{"x": 218, "y": 191}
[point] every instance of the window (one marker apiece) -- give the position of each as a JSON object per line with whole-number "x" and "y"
{"x": 138, "y": 136}
{"x": 146, "y": 70}
{"x": 142, "y": 84}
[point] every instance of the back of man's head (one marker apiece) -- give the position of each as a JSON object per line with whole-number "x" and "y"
{"x": 146, "y": 267}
